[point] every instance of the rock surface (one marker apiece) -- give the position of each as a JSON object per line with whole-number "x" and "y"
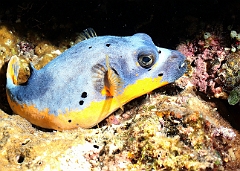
{"x": 169, "y": 129}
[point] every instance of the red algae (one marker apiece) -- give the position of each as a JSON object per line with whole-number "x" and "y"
{"x": 214, "y": 67}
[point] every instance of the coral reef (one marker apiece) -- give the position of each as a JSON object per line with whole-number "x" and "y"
{"x": 214, "y": 67}
{"x": 8, "y": 46}
{"x": 230, "y": 77}
{"x": 45, "y": 52}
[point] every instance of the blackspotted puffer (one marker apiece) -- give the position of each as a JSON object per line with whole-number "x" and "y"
{"x": 91, "y": 80}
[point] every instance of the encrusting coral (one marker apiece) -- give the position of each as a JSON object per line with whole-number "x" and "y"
{"x": 214, "y": 67}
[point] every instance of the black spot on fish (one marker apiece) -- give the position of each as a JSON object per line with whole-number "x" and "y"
{"x": 115, "y": 71}
{"x": 84, "y": 95}
{"x": 108, "y": 44}
{"x": 149, "y": 69}
{"x": 159, "y": 51}
{"x": 69, "y": 121}
{"x": 19, "y": 98}
{"x": 160, "y": 75}
{"x": 89, "y": 47}
{"x": 81, "y": 102}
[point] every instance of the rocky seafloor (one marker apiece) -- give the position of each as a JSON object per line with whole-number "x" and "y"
{"x": 188, "y": 125}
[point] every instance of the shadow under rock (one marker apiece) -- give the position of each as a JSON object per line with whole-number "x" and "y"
{"x": 229, "y": 113}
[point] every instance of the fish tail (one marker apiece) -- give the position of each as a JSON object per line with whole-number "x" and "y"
{"x": 13, "y": 70}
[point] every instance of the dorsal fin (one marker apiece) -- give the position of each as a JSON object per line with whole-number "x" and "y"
{"x": 86, "y": 34}
{"x": 13, "y": 70}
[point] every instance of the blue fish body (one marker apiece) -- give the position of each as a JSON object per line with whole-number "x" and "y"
{"x": 92, "y": 79}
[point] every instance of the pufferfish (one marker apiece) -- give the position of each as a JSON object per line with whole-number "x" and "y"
{"x": 91, "y": 80}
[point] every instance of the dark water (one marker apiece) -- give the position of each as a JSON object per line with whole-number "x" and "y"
{"x": 168, "y": 22}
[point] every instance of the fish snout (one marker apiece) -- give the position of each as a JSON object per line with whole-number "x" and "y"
{"x": 180, "y": 60}
{"x": 174, "y": 67}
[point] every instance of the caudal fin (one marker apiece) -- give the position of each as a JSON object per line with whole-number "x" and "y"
{"x": 13, "y": 70}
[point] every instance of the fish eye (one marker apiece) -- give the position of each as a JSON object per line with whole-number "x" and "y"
{"x": 146, "y": 61}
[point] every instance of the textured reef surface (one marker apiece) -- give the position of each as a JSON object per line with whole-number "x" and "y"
{"x": 192, "y": 124}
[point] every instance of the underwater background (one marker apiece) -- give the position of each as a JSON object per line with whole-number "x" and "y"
{"x": 193, "y": 124}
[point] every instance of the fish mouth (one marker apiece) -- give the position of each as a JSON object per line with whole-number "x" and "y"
{"x": 173, "y": 67}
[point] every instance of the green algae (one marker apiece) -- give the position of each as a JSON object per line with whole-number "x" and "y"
{"x": 234, "y": 96}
